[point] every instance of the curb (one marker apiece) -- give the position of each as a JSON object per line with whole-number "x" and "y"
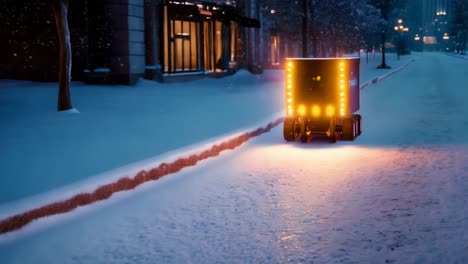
{"x": 465, "y": 57}
{"x": 379, "y": 78}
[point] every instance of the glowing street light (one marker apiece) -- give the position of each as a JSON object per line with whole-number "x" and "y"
{"x": 401, "y": 28}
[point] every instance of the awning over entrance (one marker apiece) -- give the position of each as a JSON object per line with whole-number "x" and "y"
{"x": 244, "y": 21}
{"x": 203, "y": 10}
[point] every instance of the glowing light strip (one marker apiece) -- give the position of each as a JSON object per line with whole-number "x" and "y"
{"x": 289, "y": 86}
{"x": 342, "y": 90}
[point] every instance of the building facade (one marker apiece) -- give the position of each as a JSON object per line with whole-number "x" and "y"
{"x": 436, "y": 15}
{"x": 119, "y": 41}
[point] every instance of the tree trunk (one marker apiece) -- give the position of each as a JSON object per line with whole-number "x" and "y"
{"x": 60, "y": 8}
{"x": 384, "y": 35}
{"x": 383, "y": 65}
{"x": 384, "y": 39}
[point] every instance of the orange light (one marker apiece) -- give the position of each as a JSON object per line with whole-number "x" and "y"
{"x": 289, "y": 88}
{"x": 342, "y": 85}
{"x": 330, "y": 110}
{"x": 316, "y": 110}
{"x": 302, "y": 110}
{"x": 290, "y": 110}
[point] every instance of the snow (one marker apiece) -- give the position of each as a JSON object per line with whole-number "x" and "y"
{"x": 396, "y": 194}
{"x": 70, "y": 111}
{"x": 121, "y": 125}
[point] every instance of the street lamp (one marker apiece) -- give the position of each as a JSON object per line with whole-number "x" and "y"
{"x": 385, "y": 8}
{"x": 400, "y": 28}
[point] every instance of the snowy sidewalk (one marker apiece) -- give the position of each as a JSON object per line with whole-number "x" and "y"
{"x": 396, "y": 194}
{"x": 57, "y": 154}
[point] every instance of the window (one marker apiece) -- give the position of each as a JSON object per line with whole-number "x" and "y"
{"x": 181, "y": 45}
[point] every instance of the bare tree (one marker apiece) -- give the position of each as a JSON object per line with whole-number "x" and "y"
{"x": 60, "y": 8}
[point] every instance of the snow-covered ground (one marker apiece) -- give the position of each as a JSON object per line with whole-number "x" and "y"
{"x": 396, "y": 194}
{"x": 43, "y": 151}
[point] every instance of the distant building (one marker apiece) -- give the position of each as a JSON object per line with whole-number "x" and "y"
{"x": 119, "y": 41}
{"x": 436, "y": 15}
